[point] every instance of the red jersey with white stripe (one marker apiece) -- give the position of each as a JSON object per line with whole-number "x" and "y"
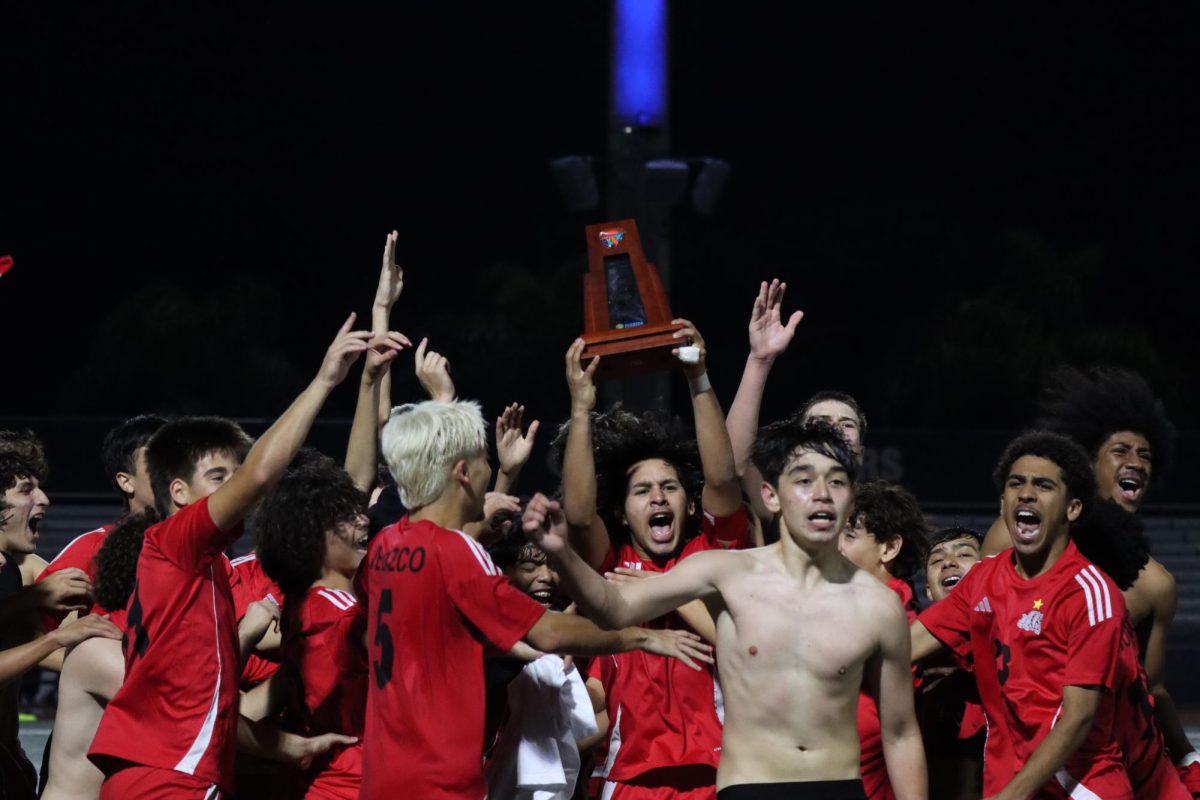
{"x": 876, "y": 785}
{"x": 663, "y": 713}
{"x": 326, "y": 665}
{"x": 250, "y": 584}
{"x": 1027, "y": 639}
{"x": 80, "y": 554}
{"x": 177, "y": 709}
{"x": 433, "y": 599}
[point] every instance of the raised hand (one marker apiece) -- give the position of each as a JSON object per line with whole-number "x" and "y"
{"x": 691, "y": 336}
{"x": 66, "y": 590}
{"x": 579, "y": 380}
{"x": 383, "y": 351}
{"x": 683, "y": 645}
{"x": 769, "y": 337}
{"x": 499, "y": 503}
{"x": 545, "y": 525}
{"x": 72, "y": 633}
{"x": 391, "y": 276}
{"x": 513, "y": 449}
{"x": 341, "y": 355}
{"x": 433, "y": 372}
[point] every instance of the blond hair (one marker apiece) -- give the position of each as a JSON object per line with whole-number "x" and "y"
{"x": 422, "y": 442}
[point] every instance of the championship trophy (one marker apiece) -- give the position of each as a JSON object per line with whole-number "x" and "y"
{"x": 626, "y": 319}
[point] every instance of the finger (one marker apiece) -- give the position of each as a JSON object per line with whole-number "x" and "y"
{"x": 591, "y": 368}
{"x": 682, "y": 656}
{"x": 794, "y": 320}
{"x": 532, "y": 432}
{"x": 761, "y": 300}
{"x": 348, "y": 324}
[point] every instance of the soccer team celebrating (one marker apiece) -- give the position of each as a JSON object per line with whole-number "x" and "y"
{"x": 720, "y": 610}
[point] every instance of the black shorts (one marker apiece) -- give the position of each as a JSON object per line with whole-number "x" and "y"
{"x": 807, "y": 790}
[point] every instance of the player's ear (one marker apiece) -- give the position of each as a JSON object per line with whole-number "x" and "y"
{"x": 769, "y": 496}
{"x": 890, "y": 548}
{"x": 1074, "y": 509}
{"x": 460, "y": 472}
{"x": 124, "y": 482}
{"x": 181, "y": 493}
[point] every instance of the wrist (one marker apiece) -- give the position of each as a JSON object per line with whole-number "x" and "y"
{"x": 761, "y": 360}
{"x": 583, "y": 413}
{"x": 699, "y": 384}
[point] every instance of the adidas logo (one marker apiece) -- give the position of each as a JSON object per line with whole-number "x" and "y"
{"x": 984, "y": 606}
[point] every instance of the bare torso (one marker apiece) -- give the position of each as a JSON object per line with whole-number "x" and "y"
{"x": 791, "y": 655}
{"x": 91, "y": 675}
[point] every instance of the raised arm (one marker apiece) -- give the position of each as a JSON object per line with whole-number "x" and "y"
{"x": 363, "y": 447}
{"x": 588, "y": 534}
{"x": 512, "y": 447}
{"x": 433, "y": 373}
{"x": 277, "y": 447}
{"x": 889, "y": 676}
{"x": 619, "y": 605}
{"x": 769, "y": 338}
{"x": 722, "y": 492}
{"x": 387, "y": 292}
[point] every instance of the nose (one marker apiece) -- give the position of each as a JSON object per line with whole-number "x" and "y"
{"x": 40, "y": 497}
{"x": 821, "y": 490}
{"x": 657, "y": 495}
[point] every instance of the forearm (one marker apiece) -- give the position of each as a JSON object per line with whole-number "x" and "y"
{"x": 743, "y": 414}
{"x": 276, "y": 448}
{"x": 364, "y": 434}
{"x": 570, "y": 634}
{"x": 381, "y": 323}
{"x": 1063, "y": 739}
{"x": 1167, "y": 718}
{"x": 923, "y": 643}
{"x": 596, "y": 597}
{"x": 16, "y": 661}
{"x": 722, "y": 492}
{"x": 262, "y": 740}
{"x": 579, "y": 472}
{"x": 904, "y": 754}
{"x": 506, "y": 480}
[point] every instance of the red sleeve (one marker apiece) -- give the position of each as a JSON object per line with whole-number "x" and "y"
{"x": 1094, "y": 616}
{"x": 190, "y": 539}
{"x": 728, "y": 533}
{"x": 481, "y": 592}
{"x": 345, "y": 641}
{"x": 78, "y": 554}
{"x": 950, "y": 619}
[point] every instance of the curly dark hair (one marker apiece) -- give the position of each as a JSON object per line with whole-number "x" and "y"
{"x": 292, "y": 519}
{"x": 777, "y": 443}
{"x": 21, "y": 456}
{"x": 116, "y": 561}
{"x": 954, "y": 532}
{"x": 1114, "y": 540}
{"x": 621, "y": 440}
{"x": 178, "y": 446}
{"x": 841, "y": 397}
{"x": 1065, "y": 453}
{"x": 887, "y": 510}
{"x": 122, "y": 443}
{"x": 1091, "y": 406}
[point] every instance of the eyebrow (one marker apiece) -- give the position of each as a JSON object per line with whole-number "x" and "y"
{"x": 214, "y": 471}
{"x": 1035, "y": 478}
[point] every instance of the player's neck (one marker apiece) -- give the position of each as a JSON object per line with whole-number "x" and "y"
{"x": 332, "y": 579}
{"x": 1033, "y": 565}
{"x": 447, "y": 511}
{"x": 814, "y": 562}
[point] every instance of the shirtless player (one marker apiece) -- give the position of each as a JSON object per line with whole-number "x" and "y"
{"x": 799, "y": 630}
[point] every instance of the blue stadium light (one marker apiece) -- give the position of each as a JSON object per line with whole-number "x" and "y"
{"x": 639, "y": 62}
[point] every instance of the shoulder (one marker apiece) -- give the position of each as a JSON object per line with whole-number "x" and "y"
{"x": 324, "y": 602}
{"x": 460, "y": 548}
{"x": 1154, "y": 590}
{"x": 1087, "y": 589}
{"x": 31, "y": 565}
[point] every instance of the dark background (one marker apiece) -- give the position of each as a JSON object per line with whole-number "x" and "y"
{"x": 196, "y": 199}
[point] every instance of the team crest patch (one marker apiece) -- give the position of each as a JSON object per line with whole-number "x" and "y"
{"x": 1031, "y": 621}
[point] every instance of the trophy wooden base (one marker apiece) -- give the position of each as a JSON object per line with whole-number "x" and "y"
{"x": 632, "y": 351}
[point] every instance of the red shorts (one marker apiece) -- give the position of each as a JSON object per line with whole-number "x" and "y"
{"x": 678, "y": 783}
{"x": 1110, "y": 783}
{"x": 1163, "y": 784}
{"x": 136, "y": 782}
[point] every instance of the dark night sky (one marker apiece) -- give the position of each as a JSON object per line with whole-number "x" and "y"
{"x": 958, "y": 202}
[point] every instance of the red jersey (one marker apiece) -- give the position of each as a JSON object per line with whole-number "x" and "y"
{"x": 177, "y": 708}
{"x": 327, "y": 667}
{"x": 663, "y": 713}
{"x": 250, "y": 584}
{"x": 870, "y": 733}
{"x": 1028, "y": 638}
{"x": 433, "y": 598}
{"x": 79, "y": 553}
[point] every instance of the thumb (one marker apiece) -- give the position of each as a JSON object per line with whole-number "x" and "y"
{"x": 533, "y": 429}
{"x": 794, "y": 320}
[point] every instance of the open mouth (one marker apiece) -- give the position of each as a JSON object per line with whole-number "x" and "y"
{"x": 1027, "y": 524}
{"x": 662, "y": 526}
{"x": 361, "y": 544}
{"x": 35, "y": 522}
{"x": 543, "y": 596}
{"x": 950, "y": 581}
{"x": 1130, "y": 487}
{"x": 822, "y": 520}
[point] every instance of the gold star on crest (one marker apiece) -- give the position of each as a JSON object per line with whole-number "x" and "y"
{"x": 1037, "y": 604}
